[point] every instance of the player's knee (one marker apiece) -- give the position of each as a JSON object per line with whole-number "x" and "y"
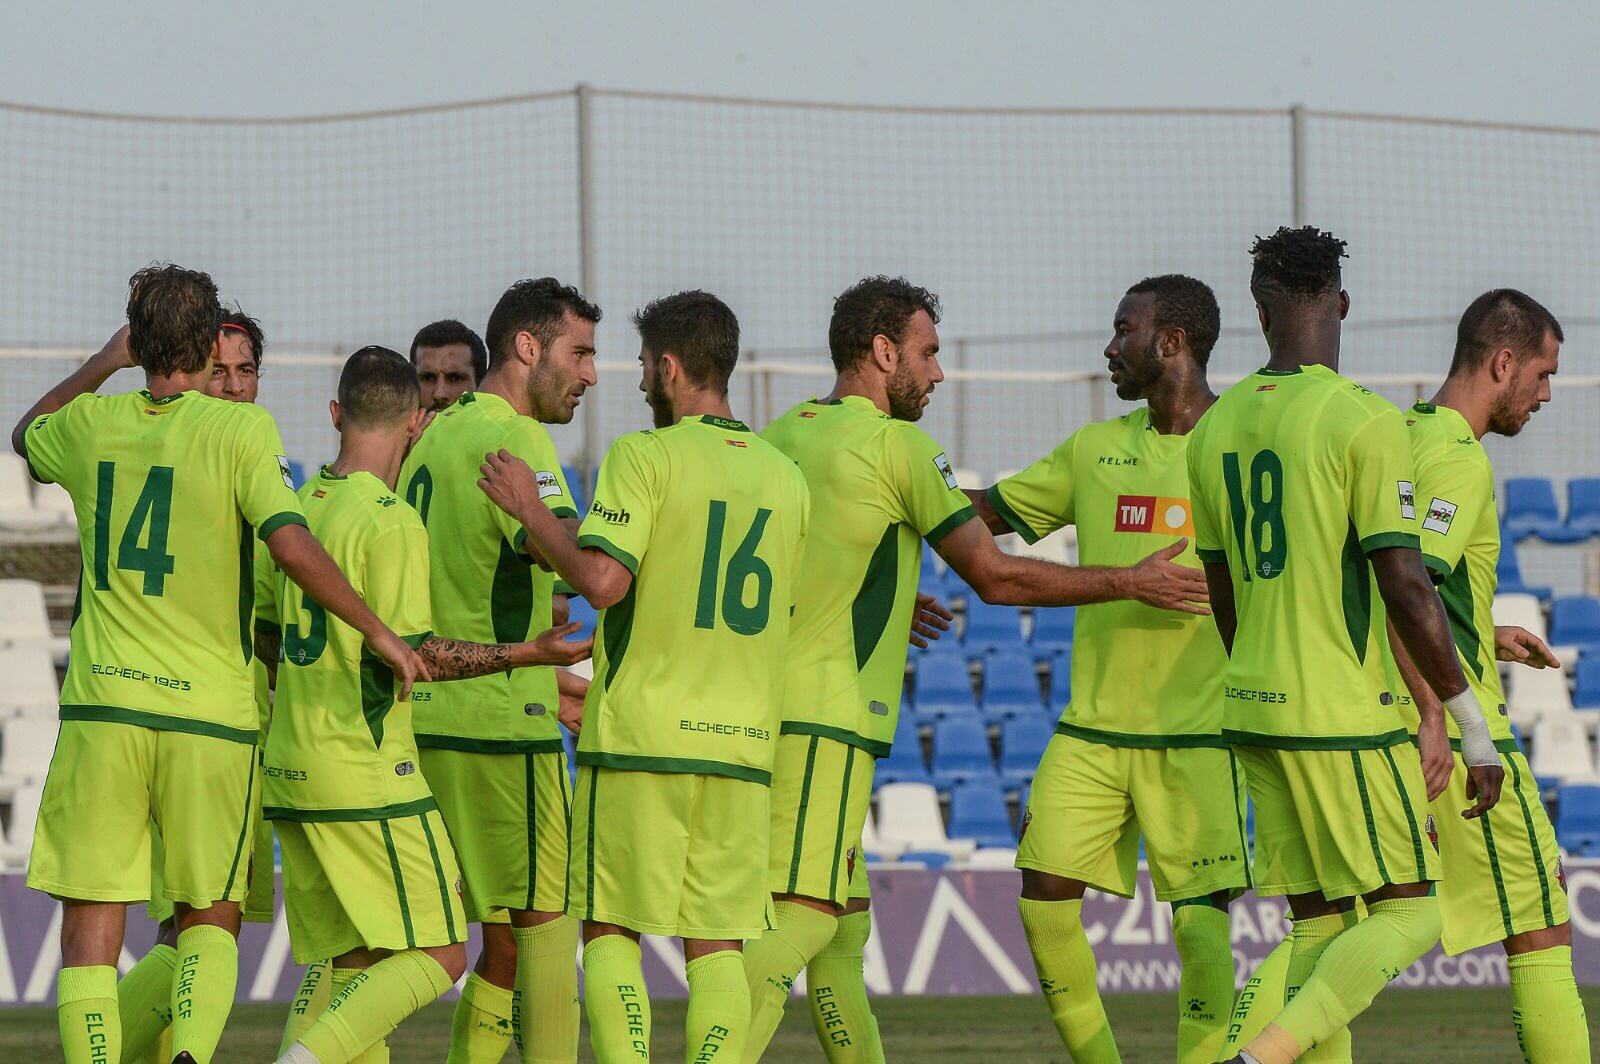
{"x": 453, "y": 959}
{"x": 1043, "y": 886}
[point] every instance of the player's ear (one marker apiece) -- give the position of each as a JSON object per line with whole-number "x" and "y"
{"x": 527, "y": 347}
{"x": 416, "y": 420}
{"x": 1502, "y": 364}
{"x": 1344, "y": 303}
{"x": 1264, "y": 318}
{"x": 336, "y": 415}
{"x": 885, "y": 356}
{"x": 1173, "y": 341}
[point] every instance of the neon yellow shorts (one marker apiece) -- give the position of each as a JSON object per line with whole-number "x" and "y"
{"x": 821, "y": 791}
{"x": 1502, "y": 872}
{"x": 1091, "y": 803}
{"x": 670, "y": 853}
{"x": 508, "y": 816}
{"x": 1338, "y": 822}
{"x": 108, "y": 782}
{"x": 370, "y": 884}
{"x": 860, "y": 883}
{"x": 262, "y": 873}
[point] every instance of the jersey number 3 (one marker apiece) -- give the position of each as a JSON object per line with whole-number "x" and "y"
{"x": 743, "y": 619}
{"x": 1264, "y": 520}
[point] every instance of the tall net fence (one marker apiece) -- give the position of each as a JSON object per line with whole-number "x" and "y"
{"x": 339, "y": 231}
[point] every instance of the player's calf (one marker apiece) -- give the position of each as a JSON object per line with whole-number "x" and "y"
{"x": 1065, "y": 964}
{"x": 801, "y": 928}
{"x": 1205, "y": 991}
{"x": 373, "y": 993}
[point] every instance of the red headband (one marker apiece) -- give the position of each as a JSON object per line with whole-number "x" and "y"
{"x": 236, "y": 328}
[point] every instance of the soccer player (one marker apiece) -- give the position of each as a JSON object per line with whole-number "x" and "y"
{"x": 692, "y": 553}
{"x": 1138, "y": 753}
{"x": 450, "y": 361}
{"x": 1301, "y": 485}
{"x": 491, "y": 746}
{"x": 370, "y": 878}
{"x": 879, "y": 486}
{"x": 1503, "y": 879}
{"x": 171, "y": 488}
{"x": 236, "y": 364}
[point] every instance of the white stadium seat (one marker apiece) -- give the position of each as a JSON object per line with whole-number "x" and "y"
{"x": 1561, "y": 749}
{"x": 53, "y": 499}
{"x": 909, "y": 818}
{"x": 25, "y": 747}
{"x": 1538, "y": 694}
{"x": 996, "y": 857}
{"x": 969, "y": 479}
{"x": 17, "y": 512}
{"x": 29, "y": 681}
{"x": 1521, "y": 610}
{"x": 873, "y": 844}
{"x": 22, "y": 614}
{"x": 17, "y": 843}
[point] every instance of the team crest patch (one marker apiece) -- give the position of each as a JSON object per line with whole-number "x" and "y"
{"x": 1154, "y": 513}
{"x": 942, "y": 464}
{"x": 1441, "y": 512}
{"x": 1408, "y": 500}
{"x": 549, "y": 484}
{"x": 283, "y": 468}
{"x": 1432, "y": 831}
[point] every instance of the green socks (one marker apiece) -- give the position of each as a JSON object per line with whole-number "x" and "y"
{"x": 316, "y": 990}
{"x": 615, "y": 999}
{"x": 1065, "y": 964}
{"x": 1205, "y": 990}
{"x": 1259, "y": 1001}
{"x": 836, "y": 983}
{"x": 545, "y": 1007}
{"x": 1352, "y": 969}
{"x": 718, "y": 1018}
{"x": 1546, "y": 1008}
{"x": 86, "y": 1010}
{"x": 481, "y": 1026}
{"x": 144, "y": 999}
{"x": 772, "y": 962}
{"x": 371, "y": 1004}
{"x": 202, "y": 994}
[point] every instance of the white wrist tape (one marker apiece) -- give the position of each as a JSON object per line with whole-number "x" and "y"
{"x": 1476, "y": 746}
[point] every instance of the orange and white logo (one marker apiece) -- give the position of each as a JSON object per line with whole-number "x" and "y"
{"x": 1154, "y": 513}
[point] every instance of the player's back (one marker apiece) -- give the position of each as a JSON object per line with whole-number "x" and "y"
{"x": 171, "y": 496}
{"x": 689, "y": 665}
{"x": 1296, "y": 476}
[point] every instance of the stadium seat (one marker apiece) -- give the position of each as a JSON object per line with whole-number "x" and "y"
{"x": 1508, "y": 571}
{"x": 580, "y": 498}
{"x": 1586, "y": 686}
{"x": 53, "y": 499}
{"x": 1561, "y": 749}
{"x": 22, "y": 614}
{"x": 1521, "y": 610}
{"x": 909, "y": 818}
{"x": 960, "y": 751}
{"x": 978, "y": 812}
{"x": 1538, "y": 694}
{"x": 1060, "y": 688}
{"x": 1010, "y": 686}
{"x": 1022, "y": 743}
{"x": 990, "y": 627}
{"x": 904, "y": 763}
{"x": 30, "y": 685}
{"x": 872, "y": 845}
{"x": 17, "y": 842}
{"x": 1052, "y": 630}
{"x": 992, "y": 858}
{"x": 932, "y": 860}
{"x": 25, "y": 747}
{"x": 1530, "y": 506}
{"x": 17, "y": 512}
{"x": 969, "y": 479}
{"x": 1583, "y": 506}
{"x": 578, "y": 609}
{"x": 944, "y": 686}
{"x": 1578, "y": 819}
{"x": 1575, "y": 622}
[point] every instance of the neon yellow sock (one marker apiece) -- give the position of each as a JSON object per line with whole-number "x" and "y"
{"x": 144, "y": 1000}
{"x": 772, "y": 962}
{"x": 481, "y": 1026}
{"x": 1259, "y": 1000}
{"x": 545, "y": 1007}
{"x": 1354, "y": 967}
{"x": 316, "y": 990}
{"x": 1065, "y": 963}
{"x": 836, "y": 983}
{"x": 1205, "y": 989}
{"x": 1545, "y": 1006}
{"x": 371, "y": 1004}
{"x": 718, "y": 1018}
{"x": 615, "y": 999}
{"x": 161, "y": 1051}
{"x": 202, "y": 991}
{"x": 1307, "y": 942}
{"x": 86, "y": 1011}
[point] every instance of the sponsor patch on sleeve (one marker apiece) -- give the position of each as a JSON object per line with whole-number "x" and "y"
{"x": 1441, "y": 512}
{"x": 942, "y": 464}
{"x": 283, "y": 468}
{"x": 1408, "y": 500}
{"x": 549, "y": 484}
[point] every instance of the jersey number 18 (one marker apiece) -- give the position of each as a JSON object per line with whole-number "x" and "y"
{"x": 1264, "y": 520}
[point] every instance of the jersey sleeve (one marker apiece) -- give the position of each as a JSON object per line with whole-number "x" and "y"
{"x": 1451, "y": 497}
{"x": 632, "y": 482}
{"x": 1038, "y": 500}
{"x": 396, "y": 584}
{"x": 529, "y": 441}
{"x": 50, "y": 441}
{"x": 1379, "y": 483}
{"x": 921, "y": 485}
{"x": 262, "y": 485}
{"x": 1208, "y": 533}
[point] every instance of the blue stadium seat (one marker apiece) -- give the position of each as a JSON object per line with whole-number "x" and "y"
{"x": 580, "y": 498}
{"x": 990, "y": 627}
{"x": 1052, "y": 630}
{"x": 1531, "y": 511}
{"x": 1575, "y": 622}
{"x": 961, "y": 751}
{"x": 297, "y": 473}
{"x": 904, "y": 763}
{"x": 1586, "y": 690}
{"x": 978, "y": 812}
{"x": 932, "y": 860}
{"x": 1022, "y": 743}
{"x": 1010, "y": 686}
{"x": 578, "y": 609}
{"x": 1578, "y": 818}
{"x": 944, "y": 686}
{"x": 1583, "y": 505}
{"x": 1508, "y": 572}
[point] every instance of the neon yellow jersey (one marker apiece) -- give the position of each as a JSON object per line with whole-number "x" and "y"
{"x": 170, "y": 495}
{"x": 1295, "y": 477}
{"x": 340, "y": 746}
{"x": 689, "y": 666}
{"x": 1460, "y": 530}
{"x": 1141, "y": 676}
{"x": 485, "y": 589}
{"x": 878, "y": 486}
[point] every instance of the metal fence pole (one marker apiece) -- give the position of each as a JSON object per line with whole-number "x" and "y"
{"x": 1297, "y": 162}
{"x": 585, "y": 175}
{"x": 962, "y": 406}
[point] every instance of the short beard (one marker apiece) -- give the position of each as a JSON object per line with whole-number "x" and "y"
{"x": 547, "y": 397}
{"x": 1505, "y": 416}
{"x": 660, "y": 406}
{"x": 1139, "y": 382}
{"x": 905, "y": 396}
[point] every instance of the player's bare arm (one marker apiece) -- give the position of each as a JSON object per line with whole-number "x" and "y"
{"x": 986, "y": 511}
{"x": 1519, "y": 645}
{"x": 86, "y": 378}
{"x": 1433, "y": 740}
{"x": 595, "y": 575}
{"x": 1223, "y": 610}
{"x": 458, "y": 659}
{"x": 1419, "y": 620}
{"x": 302, "y": 559}
{"x": 1003, "y": 578}
{"x": 268, "y": 643}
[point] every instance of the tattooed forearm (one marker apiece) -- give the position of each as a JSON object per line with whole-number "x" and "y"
{"x": 455, "y": 659}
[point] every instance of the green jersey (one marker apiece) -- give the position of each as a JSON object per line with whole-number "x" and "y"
{"x": 1460, "y": 531}
{"x": 1141, "y": 676}
{"x": 484, "y": 587}
{"x": 689, "y": 666}
{"x": 170, "y": 496}
{"x": 340, "y": 746}
{"x": 1296, "y": 476}
{"x": 878, "y": 486}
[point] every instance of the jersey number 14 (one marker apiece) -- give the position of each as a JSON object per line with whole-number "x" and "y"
{"x": 150, "y": 520}
{"x": 1264, "y": 519}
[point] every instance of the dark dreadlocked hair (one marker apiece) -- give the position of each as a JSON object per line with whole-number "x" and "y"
{"x": 1298, "y": 263}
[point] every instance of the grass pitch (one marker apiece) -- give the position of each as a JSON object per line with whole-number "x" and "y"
{"x": 1416, "y": 1026}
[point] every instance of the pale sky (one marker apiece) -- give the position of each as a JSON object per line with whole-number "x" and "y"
{"x": 1471, "y": 59}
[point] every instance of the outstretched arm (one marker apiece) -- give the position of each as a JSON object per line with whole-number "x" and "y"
{"x": 986, "y": 512}
{"x": 86, "y": 378}
{"x": 1433, "y": 739}
{"x": 457, "y": 659}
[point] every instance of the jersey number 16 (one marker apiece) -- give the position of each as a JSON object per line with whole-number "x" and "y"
{"x": 742, "y": 566}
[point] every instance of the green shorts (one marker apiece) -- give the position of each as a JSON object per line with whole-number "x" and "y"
{"x": 370, "y": 884}
{"x": 508, "y": 816}
{"x": 258, "y": 898}
{"x": 109, "y": 783}
{"x": 1502, "y": 872}
{"x": 1339, "y": 823}
{"x": 670, "y": 853}
{"x": 1091, "y": 803}
{"x": 821, "y": 792}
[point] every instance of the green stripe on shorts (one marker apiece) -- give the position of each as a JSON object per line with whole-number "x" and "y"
{"x": 438, "y": 871}
{"x": 1411, "y": 817}
{"x": 399, "y": 884}
{"x": 844, "y": 803}
{"x": 800, "y": 816}
{"x": 244, "y": 829}
{"x": 1499, "y": 880}
{"x": 1366, "y": 810}
{"x": 594, "y": 790}
{"x": 1533, "y": 839}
